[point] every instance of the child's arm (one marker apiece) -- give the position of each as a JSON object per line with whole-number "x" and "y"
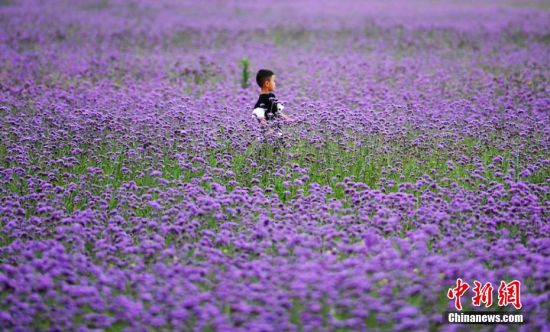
{"x": 280, "y": 108}
{"x": 284, "y": 116}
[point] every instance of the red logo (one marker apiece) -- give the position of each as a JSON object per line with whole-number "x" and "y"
{"x": 457, "y": 292}
{"x": 508, "y": 293}
{"x": 483, "y": 294}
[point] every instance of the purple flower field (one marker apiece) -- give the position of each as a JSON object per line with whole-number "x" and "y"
{"x": 138, "y": 193}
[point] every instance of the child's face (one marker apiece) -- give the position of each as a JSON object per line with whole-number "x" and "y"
{"x": 270, "y": 84}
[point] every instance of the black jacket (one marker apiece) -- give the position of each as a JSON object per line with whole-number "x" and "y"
{"x": 268, "y": 101}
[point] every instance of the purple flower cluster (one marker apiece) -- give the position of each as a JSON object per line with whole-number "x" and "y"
{"x": 137, "y": 193}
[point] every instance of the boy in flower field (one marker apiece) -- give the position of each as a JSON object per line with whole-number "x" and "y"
{"x": 267, "y": 107}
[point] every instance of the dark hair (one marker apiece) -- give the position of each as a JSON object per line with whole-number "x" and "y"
{"x": 262, "y": 76}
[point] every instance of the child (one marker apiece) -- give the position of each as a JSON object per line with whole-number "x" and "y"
{"x": 267, "y": 107}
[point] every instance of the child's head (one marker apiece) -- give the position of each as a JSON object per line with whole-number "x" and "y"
{"x": 266, "y": 80}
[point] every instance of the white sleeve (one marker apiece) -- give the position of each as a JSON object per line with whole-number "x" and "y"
{"x": 259, "y": 112}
